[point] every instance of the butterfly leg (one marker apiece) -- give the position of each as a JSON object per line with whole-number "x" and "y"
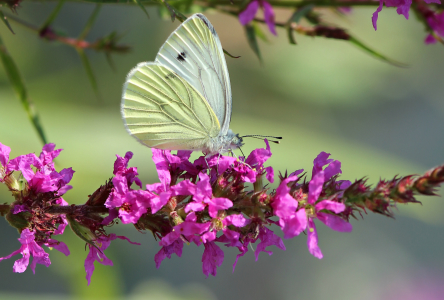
{"x": 241, "y": 161}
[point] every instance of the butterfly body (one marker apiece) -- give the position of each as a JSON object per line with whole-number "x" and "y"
{"x": 182, "y": 100}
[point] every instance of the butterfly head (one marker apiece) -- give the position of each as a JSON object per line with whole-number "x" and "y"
{"x": 236, "y": 141}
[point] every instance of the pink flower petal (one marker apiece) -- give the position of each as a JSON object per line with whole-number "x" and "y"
{"x": 269, "y": 16}
{"x": 315, "y": 187}
{"x": 335, "y": 207}
{"x": 216, "y": 204}
{"x": 293, "y": 225}
{"x": 248, "y": 14}
{"x": 335, "y": 222}
{"x": 4, "y": 154}
{"x": 237, "y": 220}
{"x": 312, "y": 240}
{"x": 332, "y": 169}
{"x": 270, "y": 174}
{"x": 430, "y": 39}
{"x": 167, "y": 252}
{"x": 268, "y": 238}
{"x": 212, "y": 258}
{"x": 162, "y": 167}
{"x": 375, "y": 14}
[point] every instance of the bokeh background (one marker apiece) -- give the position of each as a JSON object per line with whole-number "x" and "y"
{"x": 321, "y": 95}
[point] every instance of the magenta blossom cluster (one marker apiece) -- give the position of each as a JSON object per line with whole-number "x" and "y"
{"x": 207, "y": 203}
{"x": 31, "y": 211}
{"x": 214, "y": 202}
{"x": 433, "y": 18}
{"x": 402, "y": 7}
{"x": 43, "y": 183}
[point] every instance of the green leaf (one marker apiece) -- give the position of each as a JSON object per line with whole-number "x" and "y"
{"x": 174, "y": 13}
{"x": 259, "y": 33}
{"x": 142, "y": 7}
{"x": 110, "y": 61}
{"x": 295, "y": 17}
{"x": 53, "y": 15}
{"x": 376, "y": 54}
{"x": 89, "y": 71}
{"x": 5, "y": 21}
{"x": 90, "y": 22}
{"x": 19, "y": 87}
{"x": 252, "y": 41}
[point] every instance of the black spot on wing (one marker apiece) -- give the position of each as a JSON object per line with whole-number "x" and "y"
{"x": 170, "y": 76}
{"x": 181, "y": 56}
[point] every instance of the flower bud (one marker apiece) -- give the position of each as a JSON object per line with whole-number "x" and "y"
{"x": 20, "y": 220}
{"x": 81, "y": 231}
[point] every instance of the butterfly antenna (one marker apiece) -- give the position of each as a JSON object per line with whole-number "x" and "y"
{"x": 262, "y": 137}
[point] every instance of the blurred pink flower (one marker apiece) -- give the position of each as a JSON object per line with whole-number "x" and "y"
{"x": 403, "y": 7}
{"x": 249, "y": 13}
{"x": 436, "y": 22}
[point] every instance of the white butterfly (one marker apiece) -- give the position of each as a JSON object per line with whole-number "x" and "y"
{"x": 182, "y": 100}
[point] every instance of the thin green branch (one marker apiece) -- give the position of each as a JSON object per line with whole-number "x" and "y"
{"x": 90, "y": 22}
{"x": 53, "y": 15}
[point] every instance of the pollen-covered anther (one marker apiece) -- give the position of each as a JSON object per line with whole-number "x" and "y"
{"x": 217, "y": 224}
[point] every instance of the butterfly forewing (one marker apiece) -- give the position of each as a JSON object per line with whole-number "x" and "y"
{"x": 194, "y": 52}
{"x": 163, "y": 110}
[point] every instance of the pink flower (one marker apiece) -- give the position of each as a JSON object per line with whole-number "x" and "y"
{"x": 189, "y": 228}
{"x": 96, "y": 253}
{"x": 202, "y": 197}
{"x": 167, "y": 251}
{"x": 121, "y": 169}
{"x": 268, "y": 238}
{"x": 131, "y": 204}
{"x": 315, "y": 209}
{"x": 284, "y": 206}
{"x": 46, "y": 178}
{"x": 254, "y": 165}
{"x": 436, "y": 22}
{"x": 167, "y": 163}
{"x": 29, "y": 248}
{"x": 403, "y": 7}
{"x": 249, "y": 13}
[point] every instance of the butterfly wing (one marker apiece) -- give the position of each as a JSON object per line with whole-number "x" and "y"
{"x": 164, "y": 111}
{"x": 195, "y": 53}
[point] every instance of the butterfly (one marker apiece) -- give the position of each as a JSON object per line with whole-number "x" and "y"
{"x": 182, "y": 100}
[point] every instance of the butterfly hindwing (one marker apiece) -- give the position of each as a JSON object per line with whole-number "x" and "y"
{"x": 194, "y": 52}
{"x": 164, "y": 111}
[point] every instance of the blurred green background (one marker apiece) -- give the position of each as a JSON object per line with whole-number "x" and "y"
{"x": 321, "y": 95}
